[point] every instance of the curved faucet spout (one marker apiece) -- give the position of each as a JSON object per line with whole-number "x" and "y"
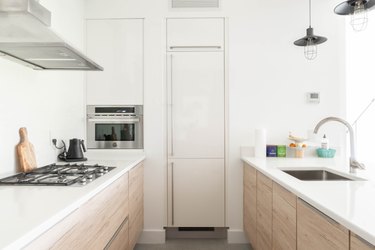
{"x": 354, "y": 164}
{"x": 351, "y": 132}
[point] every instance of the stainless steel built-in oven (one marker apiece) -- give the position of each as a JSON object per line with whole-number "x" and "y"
{"x": 115, "y": 127}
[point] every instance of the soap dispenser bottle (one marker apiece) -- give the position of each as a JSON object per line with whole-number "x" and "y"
{"x": 325, "y": 143}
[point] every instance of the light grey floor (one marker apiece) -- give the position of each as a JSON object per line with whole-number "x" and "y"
{"x": 194, "y": 244}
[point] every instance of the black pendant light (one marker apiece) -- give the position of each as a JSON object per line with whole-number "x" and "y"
{"x": 310, "y": 40}
{"x": 357, "y": 9}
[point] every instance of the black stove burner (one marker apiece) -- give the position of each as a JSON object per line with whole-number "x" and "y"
{"x": 58, "y": 175}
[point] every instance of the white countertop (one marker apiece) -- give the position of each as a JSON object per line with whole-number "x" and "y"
{"x": 28, "y": 211}
{"x": 351, "y": 203}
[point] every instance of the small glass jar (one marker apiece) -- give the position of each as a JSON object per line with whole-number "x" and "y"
{"x": 299, "y": 152}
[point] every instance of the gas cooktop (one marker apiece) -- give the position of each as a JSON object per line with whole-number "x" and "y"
{"x": 58, "y": 175}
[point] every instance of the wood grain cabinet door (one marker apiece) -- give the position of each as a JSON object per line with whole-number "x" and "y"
{"x": 317, "y": 231}
{"x": 284, "y": 215}
{"x": 250, "y": 203}
{"x": 357, "y": 243}
{"x": 264, "y": 212}
{"x": 135, "y": 204}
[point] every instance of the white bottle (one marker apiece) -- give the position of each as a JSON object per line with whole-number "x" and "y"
{"x": 325, "y": 142}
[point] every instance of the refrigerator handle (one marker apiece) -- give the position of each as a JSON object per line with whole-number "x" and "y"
{"x": 171, "y": 104}
{"x": 172, "y": 191}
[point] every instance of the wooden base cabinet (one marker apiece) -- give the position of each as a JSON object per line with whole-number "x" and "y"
{"x": 264, "y": 212}
{"x": 135, "y": 204}
{"x": 317, "y": 231}
{"x": 357, "y": 243}
{"x": 284, "y": 215}
{"x": 92, "y": 225}
{"x": 275, "y": 218}
{"x": 112, "y": 219}
{"x": 250, "y": 203}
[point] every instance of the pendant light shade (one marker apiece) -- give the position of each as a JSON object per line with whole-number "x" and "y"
{"x": 357, "y": 9}
{"x": 310, "y": 41}
{"x": 348, "y": 7}
{"x": 310, "y": 38}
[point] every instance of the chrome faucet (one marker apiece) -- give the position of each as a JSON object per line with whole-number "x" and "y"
{"x": 354, "y": 164}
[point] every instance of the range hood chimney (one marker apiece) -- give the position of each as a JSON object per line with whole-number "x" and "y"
{"x": 25, "y": 37}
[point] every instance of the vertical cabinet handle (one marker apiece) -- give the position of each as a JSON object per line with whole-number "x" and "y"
{"x": 172, "y": 191}
{"x": 196, "y": 47}
{"x": 171, "y": 89}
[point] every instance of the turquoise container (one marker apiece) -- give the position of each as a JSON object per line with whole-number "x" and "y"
{"x": 326, "y": 153}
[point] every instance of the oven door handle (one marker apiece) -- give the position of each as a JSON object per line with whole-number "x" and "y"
{"x": 133, "y": 120}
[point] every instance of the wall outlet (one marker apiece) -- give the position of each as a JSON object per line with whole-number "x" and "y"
{"x": 53, "y": 140}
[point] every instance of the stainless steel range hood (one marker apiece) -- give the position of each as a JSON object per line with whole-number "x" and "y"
{"x": 25, "y": 37}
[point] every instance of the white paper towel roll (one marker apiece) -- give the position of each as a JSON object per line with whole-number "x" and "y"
{"x": 260, "y": 143}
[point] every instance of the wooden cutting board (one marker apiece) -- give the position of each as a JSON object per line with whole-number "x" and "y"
{"x": 25, "y": 153}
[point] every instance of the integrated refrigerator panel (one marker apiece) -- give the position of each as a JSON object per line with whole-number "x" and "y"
{"x": 196, "y": 105}
{"x": 196, "y": 193}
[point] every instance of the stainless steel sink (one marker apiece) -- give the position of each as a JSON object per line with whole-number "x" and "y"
{"x": 317, "y": 175}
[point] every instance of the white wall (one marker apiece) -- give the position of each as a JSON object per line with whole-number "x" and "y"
{"x": 46, "y": 102}
{"x": 361, "y": 88}
{"x": 269, "y": 78}
{"x": 268, "y": 81}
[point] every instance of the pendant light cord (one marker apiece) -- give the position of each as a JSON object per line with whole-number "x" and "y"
{"x": 310, "y": 13}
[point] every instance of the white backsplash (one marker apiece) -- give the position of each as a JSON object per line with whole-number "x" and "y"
{"x": 48, "y": 103}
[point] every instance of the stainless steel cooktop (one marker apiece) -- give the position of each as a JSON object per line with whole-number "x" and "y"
{"x": 59, "y": 175}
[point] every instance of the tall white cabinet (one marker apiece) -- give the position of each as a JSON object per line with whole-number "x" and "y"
{"x": 196, "y": 122}
{"x": 117, "y": 45}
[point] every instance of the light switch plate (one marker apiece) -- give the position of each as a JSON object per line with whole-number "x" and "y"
{"x": 313, "y": 97}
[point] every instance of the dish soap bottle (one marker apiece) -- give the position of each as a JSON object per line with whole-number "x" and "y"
{"x": 325, "y": 142}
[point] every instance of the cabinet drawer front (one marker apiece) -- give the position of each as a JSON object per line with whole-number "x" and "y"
{"x": 97, "y": 220}
{"x": 121, "y": 239}
{"x": 285, "y": 195}
{"x": 317, "y": 231}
